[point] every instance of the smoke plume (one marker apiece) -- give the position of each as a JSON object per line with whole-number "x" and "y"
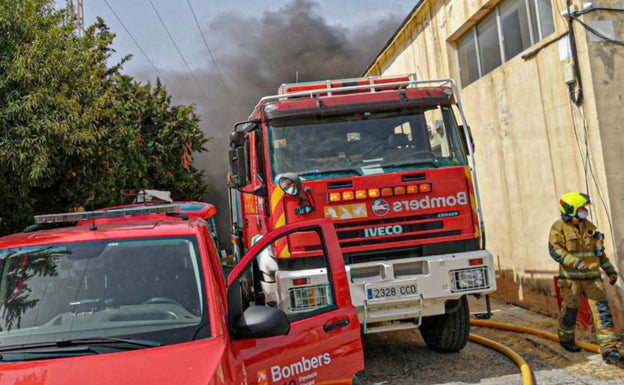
{"x": 254, "y": 56}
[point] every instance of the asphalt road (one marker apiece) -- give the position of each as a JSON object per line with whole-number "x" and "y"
{"x": 401, "y": 358}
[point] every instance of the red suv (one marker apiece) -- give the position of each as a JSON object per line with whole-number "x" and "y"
{"x": 142, "y": 299}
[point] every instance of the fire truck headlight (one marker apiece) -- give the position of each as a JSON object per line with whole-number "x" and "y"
{"x": 469, "y": 279}
{"x": 290, "y": 183}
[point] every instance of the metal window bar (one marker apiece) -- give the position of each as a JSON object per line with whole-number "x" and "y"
{"x": 308, "y": 297}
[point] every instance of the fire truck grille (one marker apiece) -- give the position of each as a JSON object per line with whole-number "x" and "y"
{"x": 406, "y": 237}
{"x": 409, "y": 228}
{"x": 373, "y": 230}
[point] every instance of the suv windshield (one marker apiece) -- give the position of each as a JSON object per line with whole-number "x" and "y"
{"x": 139, "y": 288}
{"x": 366, "y": 143}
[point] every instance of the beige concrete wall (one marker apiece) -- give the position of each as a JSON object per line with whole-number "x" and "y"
{"x": 532, "y": 143}
{"x": 606, "y": 61}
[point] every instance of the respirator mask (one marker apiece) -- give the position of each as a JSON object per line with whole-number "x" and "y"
{"x": 582, "y": 213}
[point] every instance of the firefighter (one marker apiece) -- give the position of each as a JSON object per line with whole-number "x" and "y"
{"x": 577, "y": 246}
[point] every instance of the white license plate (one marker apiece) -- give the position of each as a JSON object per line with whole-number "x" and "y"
{"x": 397, "y": 289}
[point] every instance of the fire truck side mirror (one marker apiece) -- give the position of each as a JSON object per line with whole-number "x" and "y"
{"x": 237, "y": 138}
{"x": 239, "y": 177}
{"x": 290, "y": 183}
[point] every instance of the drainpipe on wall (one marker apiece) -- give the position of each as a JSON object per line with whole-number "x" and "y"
{"x": 575, "y": 97}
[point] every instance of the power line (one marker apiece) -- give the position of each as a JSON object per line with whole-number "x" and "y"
{"x": 206, "y": 43}
{"x": 132, "y": 37}
{"x": 174, "y": 43}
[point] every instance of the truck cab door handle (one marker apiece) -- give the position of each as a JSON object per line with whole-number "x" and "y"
{"x": 335, "y": 325}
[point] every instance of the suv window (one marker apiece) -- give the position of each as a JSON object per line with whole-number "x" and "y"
{"x": 96, "y": 289}
{"x": 298, "y": 281}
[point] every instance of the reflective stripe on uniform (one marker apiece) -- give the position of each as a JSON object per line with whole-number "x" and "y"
{"x": 580, "y": 275}
{"x": 605, "y": 336}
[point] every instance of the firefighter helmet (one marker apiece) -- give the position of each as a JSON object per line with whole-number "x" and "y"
{"x": 569, "y": 203}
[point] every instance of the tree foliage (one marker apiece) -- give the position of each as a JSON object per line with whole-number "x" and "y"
{"x": 74, "y": 129}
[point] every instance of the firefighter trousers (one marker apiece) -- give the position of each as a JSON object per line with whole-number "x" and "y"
{"x": 594, "y": 291}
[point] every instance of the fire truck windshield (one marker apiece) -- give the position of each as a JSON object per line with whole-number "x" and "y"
{"x": 140, "y": 288}
{"x": 365, "y": 143}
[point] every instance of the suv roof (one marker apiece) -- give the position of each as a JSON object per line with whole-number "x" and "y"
{"x": 129, "y": 221}
{"x": 121, "y": 230}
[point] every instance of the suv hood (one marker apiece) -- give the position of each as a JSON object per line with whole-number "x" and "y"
{"x": 199, "y": 362}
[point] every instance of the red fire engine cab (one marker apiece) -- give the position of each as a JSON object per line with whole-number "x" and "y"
{"x": 137, "y": 295}
{"x": 388, "y": 161}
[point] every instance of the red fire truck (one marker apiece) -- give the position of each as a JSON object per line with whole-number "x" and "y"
{"x": 390, "y": 161}
{"x": 137, "y": 295}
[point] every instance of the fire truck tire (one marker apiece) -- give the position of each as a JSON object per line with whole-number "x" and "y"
{"x": 447, "y": 333}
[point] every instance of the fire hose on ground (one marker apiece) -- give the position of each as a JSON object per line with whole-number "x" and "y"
{"x": 525, "y": 370}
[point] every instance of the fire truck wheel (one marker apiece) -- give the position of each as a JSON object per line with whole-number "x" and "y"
{"x": 447, "y": 333}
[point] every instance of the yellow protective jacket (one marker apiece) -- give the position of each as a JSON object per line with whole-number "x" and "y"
{"x": 570, "y": 244}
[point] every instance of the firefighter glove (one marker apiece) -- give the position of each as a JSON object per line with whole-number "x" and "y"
{"x": 613, "y": 278}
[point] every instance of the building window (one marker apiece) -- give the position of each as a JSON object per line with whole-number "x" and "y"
{"x": 489, "y": 44}
{"x": 467, "y": 52}
{"x": 515, "y": 27}
{"x": 507, "y": 30}
{"x": 541, "y": 11}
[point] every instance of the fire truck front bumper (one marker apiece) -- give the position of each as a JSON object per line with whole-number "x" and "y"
{"x": 412, "y": 288}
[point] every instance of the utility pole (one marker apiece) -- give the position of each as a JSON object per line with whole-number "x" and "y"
{"x": 78, "y": 10}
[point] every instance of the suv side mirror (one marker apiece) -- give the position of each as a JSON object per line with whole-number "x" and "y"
{"x": 261, "y": 322}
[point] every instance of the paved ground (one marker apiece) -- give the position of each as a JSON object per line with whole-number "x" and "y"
{"x": 401, "y": 358}
{"x": 551, "y": 364}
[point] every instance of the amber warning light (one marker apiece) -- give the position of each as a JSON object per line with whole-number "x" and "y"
{"x": 342, "y": 196}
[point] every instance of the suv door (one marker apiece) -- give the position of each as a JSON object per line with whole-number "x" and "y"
{"x": 310, "y": 291}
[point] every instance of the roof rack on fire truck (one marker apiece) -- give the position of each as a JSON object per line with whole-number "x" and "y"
{"x": 49, "y": 221}
{"x": 112, "y": 213}
{"x": 370, "y": 84}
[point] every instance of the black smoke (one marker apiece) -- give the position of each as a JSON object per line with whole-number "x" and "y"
{"x": 253, "y": 56}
